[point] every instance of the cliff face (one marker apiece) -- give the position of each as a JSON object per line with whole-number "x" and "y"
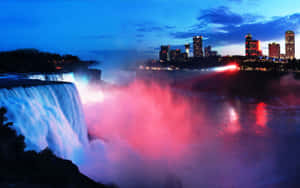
{"x": 31, "y": 169}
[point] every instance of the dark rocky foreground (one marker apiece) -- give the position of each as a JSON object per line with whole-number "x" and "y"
{"x": 30, "y": 169}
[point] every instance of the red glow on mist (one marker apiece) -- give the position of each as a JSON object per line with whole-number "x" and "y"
{"x": 152, "y": 119}
{"x": 261, "y": 115}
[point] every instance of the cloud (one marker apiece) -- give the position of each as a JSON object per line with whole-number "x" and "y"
{"x": 152, "y": 27}
{"x": 220, "y": 15}
{"x": 232, "y": 27}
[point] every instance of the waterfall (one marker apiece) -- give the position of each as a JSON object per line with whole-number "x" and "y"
{"x": 48, "y": 116}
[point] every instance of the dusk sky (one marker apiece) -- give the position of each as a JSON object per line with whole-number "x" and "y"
{"x": 98, "y": 29}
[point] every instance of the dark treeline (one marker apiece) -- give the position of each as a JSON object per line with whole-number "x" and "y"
{"x": 30, "y": 169}
{"x": 32, "y": 60}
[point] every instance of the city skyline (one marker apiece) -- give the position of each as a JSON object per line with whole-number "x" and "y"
{"x": 102, "y": 30}
{"x": 252, "y": 48}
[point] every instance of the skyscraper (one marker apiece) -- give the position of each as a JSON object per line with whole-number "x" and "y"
{"x": 290, "y": 44}
{"x": 252, "y": 47}
{"x": 197, "y": 44}
{"x": 274, "y": 50}
{"x": 187, "y": 49}
{"x": 164, "y": 53}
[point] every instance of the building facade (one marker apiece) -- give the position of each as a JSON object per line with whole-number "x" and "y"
{"x": 183, "y": 57}
{"x": 174, "y": 54}
{"x": 252, "y": 47}
{"x": 290, "y": 45}
{"x": 164, "y": 54}
{"x": 274, "y": 50}
{"x": 177, "y": 56}
{"x": 197, "y": 45}
{"x": 187, "y": 49}
{"x": 207, "y": 51}
{"x": 282, "y": 56}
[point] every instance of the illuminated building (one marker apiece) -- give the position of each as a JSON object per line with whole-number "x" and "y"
{"x": 197, "y": 45}
{"x": 282, "y": 56}
{"x": 182, "y": 57}
{"x": 174, "y": 54}
{"x": 207, "y": 51}
{"x": 185, "y": 56}
{"x": 178, "y": 52}
{"x": 274, "y": 50}
{"x": 252, "y": 47}
{"x": 187, "y": 49}
{"x": 164, "y": 53}
{"x": 290, "y": 45}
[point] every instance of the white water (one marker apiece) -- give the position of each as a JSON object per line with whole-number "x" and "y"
{"x": 48, "y": 116}
{"x": 51, "y": 116}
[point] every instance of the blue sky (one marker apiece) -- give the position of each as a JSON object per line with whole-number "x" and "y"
{"x": 105, "y": 30}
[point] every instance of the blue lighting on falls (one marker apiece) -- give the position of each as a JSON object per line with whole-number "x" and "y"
{"x": 48, "y": 116}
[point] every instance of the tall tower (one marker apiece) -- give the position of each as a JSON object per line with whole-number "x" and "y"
{"x": 248, "y": 44}
{"x": 290, "y": 44}
{"x": 187, "y": 49}
{"x": 197, "y": 44}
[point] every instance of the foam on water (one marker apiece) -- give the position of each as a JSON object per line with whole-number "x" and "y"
{"x": 48, "y": 116}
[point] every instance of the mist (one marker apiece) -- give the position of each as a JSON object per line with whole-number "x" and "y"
{"x": 153, "y": 135}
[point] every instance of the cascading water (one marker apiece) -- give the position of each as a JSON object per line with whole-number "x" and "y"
{"x": 48, "y": 116}
{"x": 156, "y": 136}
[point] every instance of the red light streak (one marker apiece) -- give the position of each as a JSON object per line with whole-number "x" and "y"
{"x": 230, "y": 67}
